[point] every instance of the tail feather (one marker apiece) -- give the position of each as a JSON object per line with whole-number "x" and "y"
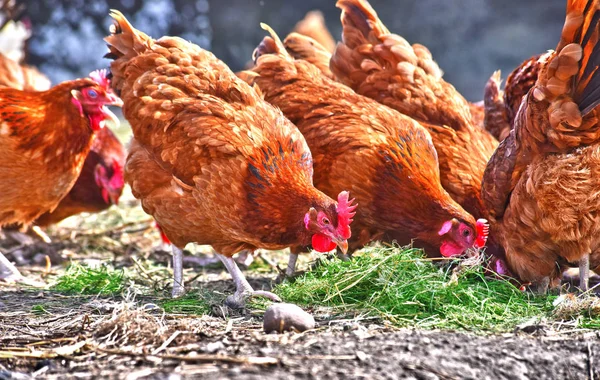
{"x": 305, "y": 48}
{"x": 574, "y": 68}
{"x": 124, "y": 39}
{"x": 270, "y": 45}
{"x": 359, "y": 15}
{"x": 313, "y": 26}
{"x": 495, "y": 120}
{"x": 587, "y": 87}
{"x": 124, "y": 43}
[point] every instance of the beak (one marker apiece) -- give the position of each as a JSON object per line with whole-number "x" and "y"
{"x": 109, "y": 115}
{"x": 114, "y": 100}
{"x": 114, "y": 197}
{"x": 343, "y": 244}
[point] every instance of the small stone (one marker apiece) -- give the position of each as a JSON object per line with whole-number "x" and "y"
{"x": 281, "y": 317}
{"x": 214, "y": 347}
{"x": 361, "y": 356}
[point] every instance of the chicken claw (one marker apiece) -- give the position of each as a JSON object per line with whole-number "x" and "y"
{"x": 243, "y": 290}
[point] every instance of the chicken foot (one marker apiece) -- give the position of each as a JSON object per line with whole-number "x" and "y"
{"x": 8, "y": 272}
{"x": 243, "y": 290}
{"x": 584, "y": 273}
{"x": 178, "y": 288}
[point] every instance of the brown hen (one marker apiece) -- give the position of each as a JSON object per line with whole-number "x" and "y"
{"x": 542, "y": 186}
{"x": 385, "y": 67}
{"x": 44, "y": 139}
{"x": 313, "y": 26}
{"x": 99, "y": 184}
{"x": 384, "y": 158}
{"x": 212, "y": 161}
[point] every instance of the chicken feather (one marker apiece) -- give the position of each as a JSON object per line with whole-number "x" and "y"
{"x": 211, "y": 161}
{"x": 386, "y": 160}
{"x": 541, "y": 185}
{"x": 385, "y": 67}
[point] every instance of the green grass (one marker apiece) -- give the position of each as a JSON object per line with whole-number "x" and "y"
{"x": 82, "y": 279}
{"x": 196, "y": 303}
{"x": 400, "y": 286}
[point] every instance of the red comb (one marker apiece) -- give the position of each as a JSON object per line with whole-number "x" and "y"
{"x": 483, "y": 230}
{"x": 345, "y": 210}
{"x": 117, "y": 180}
{"x": 101, "y": 77}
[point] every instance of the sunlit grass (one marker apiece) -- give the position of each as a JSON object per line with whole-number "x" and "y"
{"x": 401, "y": 286}
{"x": 83, "y": 279}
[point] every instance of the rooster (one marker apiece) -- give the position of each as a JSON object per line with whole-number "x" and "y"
{"x": 385, "y": 67}
{"x": 213, "y": 162}
{"x": 542, "y": 184}
{"x": 44, "y": 139}
{"x": 372, "y": 150}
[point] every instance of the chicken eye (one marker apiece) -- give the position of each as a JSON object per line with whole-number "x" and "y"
{"x": 466, "y": 233}
{"x": 92, "y": 94}
{"x": 325, "y": 221}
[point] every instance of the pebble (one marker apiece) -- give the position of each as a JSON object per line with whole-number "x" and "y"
{"x": 281, "y": 317}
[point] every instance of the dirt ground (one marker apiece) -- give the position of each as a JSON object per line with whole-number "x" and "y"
{"x": 92, "y": 337}
{"x": 46, "y": 334}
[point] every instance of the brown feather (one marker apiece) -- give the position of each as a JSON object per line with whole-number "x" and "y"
{"x": 313, "y": 26}
{"x": 211, "y": 161}
{"x": 541, "y": 185}
{"x": 385, "y": 159}
{"x": 375, "y": 63}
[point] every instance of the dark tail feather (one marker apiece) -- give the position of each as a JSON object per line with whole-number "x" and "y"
{"x": 587, "y": 34}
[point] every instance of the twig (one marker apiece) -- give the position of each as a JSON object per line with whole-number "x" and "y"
{"x": 590, "y": 357}
{"x": 167, "y": 342}
{"x": 194, "y": 358}
{"x": 329, "y": 357}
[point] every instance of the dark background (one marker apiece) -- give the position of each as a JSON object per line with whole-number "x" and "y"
{"x": 468, "y": 38}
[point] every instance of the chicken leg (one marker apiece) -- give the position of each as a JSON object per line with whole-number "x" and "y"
{"x": 243, "y": 290}
{"x": 584, "y": 273}
{"x": 8, "y": 272}
{"x": 291, "y": 267}
{"x": 178, "y": 288}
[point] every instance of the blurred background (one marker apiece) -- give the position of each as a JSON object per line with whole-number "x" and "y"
{"x": 470, "y": 39}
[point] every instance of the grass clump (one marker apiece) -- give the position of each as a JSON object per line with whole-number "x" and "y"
{"x": 401, "y": 286}
{"x": 82, "y": 279}
{"x": 196, "y": 303}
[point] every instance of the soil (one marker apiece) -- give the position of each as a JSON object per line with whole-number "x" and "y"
{"x": 48, "y": 335}
{"x": 120, "y": 338}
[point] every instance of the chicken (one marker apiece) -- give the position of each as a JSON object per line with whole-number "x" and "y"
{"x": 477, "y": 113}
{"x": 21, "y": 77}
{"x": 313, "y": 26}
{"x": 542, "y": 184}
{"x": 502, "y": 106}
{"x": 383, "y": 66}
{"x": 212, "y": 161}
{"x": 495, "y": 120}
{"x": 100, "y": 182}
{"x": 44, "y": 139}
{"x": 370, "y": 149}
{"x": 307, "y": 49}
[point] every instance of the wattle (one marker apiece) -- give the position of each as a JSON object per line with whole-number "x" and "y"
{"x": 96, "y": 120}
{"x": 322, "y": 243}
{"x": 449, "y": 249}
